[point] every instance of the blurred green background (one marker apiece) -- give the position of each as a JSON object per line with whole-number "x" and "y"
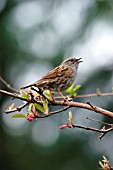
{"x": 35, "y": 37}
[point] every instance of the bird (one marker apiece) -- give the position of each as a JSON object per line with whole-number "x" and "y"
{"x": 60, "y": 78}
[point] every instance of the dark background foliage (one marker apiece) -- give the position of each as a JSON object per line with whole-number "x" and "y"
{"x": 35, "y": 36}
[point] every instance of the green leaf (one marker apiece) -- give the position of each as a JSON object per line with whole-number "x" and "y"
{"x": 45, "y": 106}
{"x": 77, "y": 88}
{"x": 98, "y": 91}
{"x": 70, "y": 117}
{"x": 112, "y": 89}
{"x": 18, "y": 115}
{"x": 39, "y": 107}
{"x": 47, "y": 93}
{"x": 23, "y": 94}
{"x": 30, "y": 107}
{"x": 72, "y": 90}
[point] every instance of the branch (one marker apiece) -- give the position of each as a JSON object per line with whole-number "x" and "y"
{"x": 90, "y": 128}
{"x": 103, "y": 131}
{"x": 67, "y": 104}
{"x": 89, "y": 95}
{"x": 105, "y": 164}
{"x": 52, "y": 113}
{"x": 108, "y": 124}
{"x": 8, "y": 85}
{"x": 44, "y": 103}
{"x": 17, "y": 108}
{"x": 84, "y": 106}
{"x": 94, "y": 95}
{"x": 16, "y": 96}
{"x": 64, "y": 103}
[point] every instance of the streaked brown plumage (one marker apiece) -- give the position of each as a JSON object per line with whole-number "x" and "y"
{"x": 60, "y": 78}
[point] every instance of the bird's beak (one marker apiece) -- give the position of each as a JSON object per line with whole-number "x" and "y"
{"x": 79, "y": 60}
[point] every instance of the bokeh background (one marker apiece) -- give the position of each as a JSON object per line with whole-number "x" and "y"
{"x": 35, "y": 37}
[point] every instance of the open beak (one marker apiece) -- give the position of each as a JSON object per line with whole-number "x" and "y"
{"x": 79, "y": 60}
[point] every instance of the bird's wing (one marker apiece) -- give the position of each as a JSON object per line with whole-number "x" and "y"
{"x": 57, "y": 72}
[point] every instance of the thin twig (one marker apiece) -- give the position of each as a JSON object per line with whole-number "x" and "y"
{"x": 8, "y": 85}
{"x": 93, "y": 107}
{"x": 54, "y": 112}
{"x": 60, "y": 110}
{"x": 94, "y": 95}
{"x": 90, "y": 128}
{"x": 17, "y": 108}
{"x": 108, "y": 124}
{"x": 102, "y": 131}
{"x": 89, "y": 95}
{"x": 16, "y": 96}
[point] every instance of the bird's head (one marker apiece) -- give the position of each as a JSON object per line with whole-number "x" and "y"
{"x": 72, "y": 61}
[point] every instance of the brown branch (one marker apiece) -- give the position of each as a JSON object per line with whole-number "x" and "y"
{"x": 92, "y": 129}
{"x": 16, "y": 96}
{"x": 84, "y": 106}
{"x": 108, "y": 124}
{"x": 105, "y": 164}
{"x": 17, "y": 108}
{"x": 8, "y": 85}
{"x": 61, "y": 110}
{"x": 89, "y": 95}
{"x": 63, "y": 103}
{"x": 68, "y": 104}
{"x": 54, "y": 112}
{"x": 102, "y": 131}
{"x": 94, "y": 95}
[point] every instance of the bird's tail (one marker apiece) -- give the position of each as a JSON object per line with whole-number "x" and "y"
{"x": 30, "y": 85}
{"x": 38, "y": 83}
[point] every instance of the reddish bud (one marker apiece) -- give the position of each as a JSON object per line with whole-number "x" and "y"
{"x": 64, "y": 126}
{"x": 30, "y": 117}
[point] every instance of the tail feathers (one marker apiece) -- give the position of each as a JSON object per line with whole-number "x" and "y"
{"x": 36, "y": 84}
{"x": 30, "y": 85}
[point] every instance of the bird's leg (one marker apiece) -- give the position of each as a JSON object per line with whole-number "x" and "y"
{"x": 51, "y": 93}
{"x": 65, "y": 100}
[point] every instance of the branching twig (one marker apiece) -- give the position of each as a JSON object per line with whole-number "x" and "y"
{"x": 105, "y": 164}
{"x": 89, "y": 95}
{"x": 93, "y": 107}
{"x": 108, "y": 124}
{"x": 17, "y": 108}
{"x": 68, "y": 104}
{"x": 8, "y": 85}
{"x": 64, "y": 103}
{"x": 16, "y": 96}
{"x": 94, "y": 95}
{"x": 102, "y": 131}
{"x": 54, "y": 112}
{"x": 92, "y": 129}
